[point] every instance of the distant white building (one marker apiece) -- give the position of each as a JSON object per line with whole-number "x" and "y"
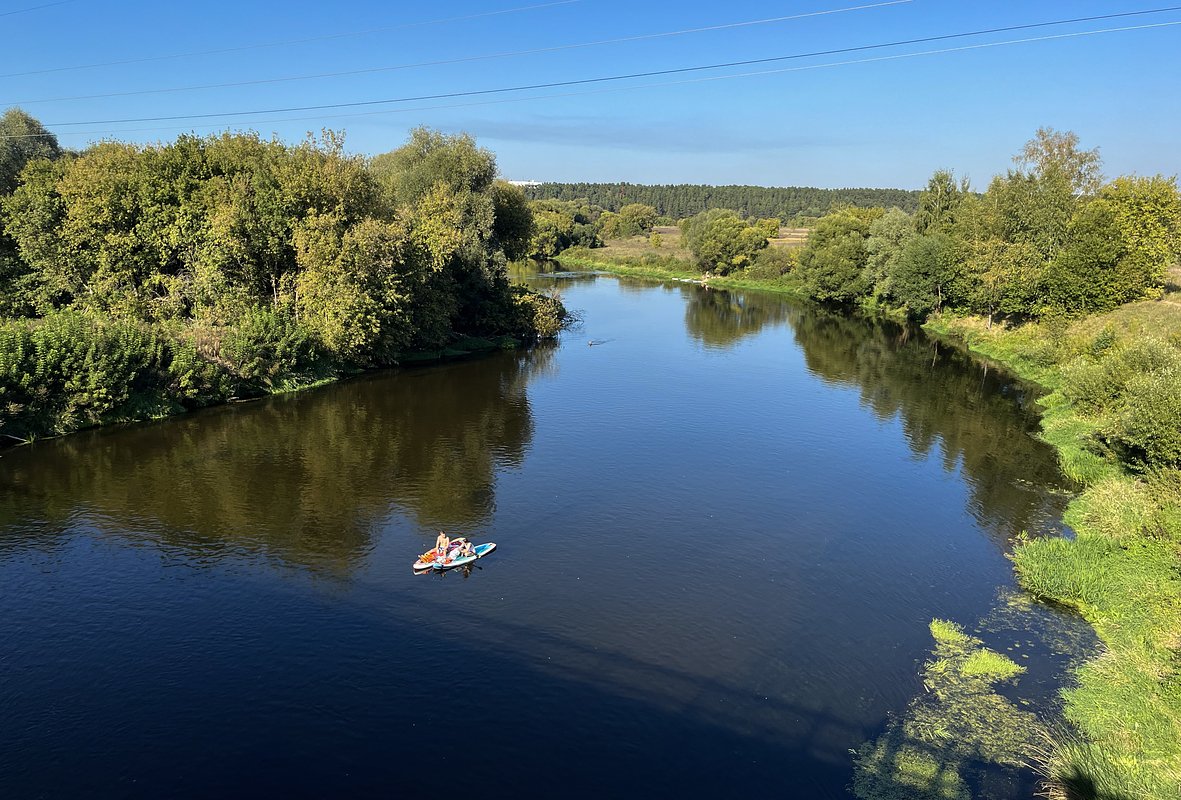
{"x": 526, "y": 184}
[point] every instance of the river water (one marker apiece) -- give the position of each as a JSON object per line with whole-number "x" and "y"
{"x": 723, "y": 529}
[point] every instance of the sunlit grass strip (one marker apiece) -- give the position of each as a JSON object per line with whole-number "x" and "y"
{"x": 670, "y": 268}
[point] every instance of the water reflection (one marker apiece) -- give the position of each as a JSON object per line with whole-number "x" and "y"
{"x": 548, "y": 274}
{"x": 979, "y": 420}
{"x": 304, "y": 478}
{"x": 720, "y": 319}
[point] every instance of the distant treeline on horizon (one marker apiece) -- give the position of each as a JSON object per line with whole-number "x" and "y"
{"x": 685, "y": 200}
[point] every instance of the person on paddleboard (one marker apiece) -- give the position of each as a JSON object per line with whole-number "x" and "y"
{"x": 442, "y": 543}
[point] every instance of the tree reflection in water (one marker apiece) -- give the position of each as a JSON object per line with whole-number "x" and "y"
{"x": 719, "y": 319}
{"x": 303, "y": 478}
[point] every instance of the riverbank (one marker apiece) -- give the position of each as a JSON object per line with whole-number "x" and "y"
{"x": 1121, "y": 570}
{"x": 672, "y": 268}
{"x": 100, "y": 375}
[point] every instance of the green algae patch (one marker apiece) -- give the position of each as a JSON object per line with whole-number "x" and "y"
{"x": 992, "y": 665}
{"x": 958, "y": 729}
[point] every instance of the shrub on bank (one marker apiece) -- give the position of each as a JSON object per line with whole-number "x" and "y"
{"x": 72, "y": 370}
{"x": 264, "y": 347}
{"x": 539, "y": 315}
{"x": 1148, "y": 431}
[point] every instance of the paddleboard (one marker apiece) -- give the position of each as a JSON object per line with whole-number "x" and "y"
{"x": 428, "y": 559}
{"x": 450, "y": 563}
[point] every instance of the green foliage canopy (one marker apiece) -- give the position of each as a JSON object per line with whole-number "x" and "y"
{"x": 228, "y": 264}
{"x": 721, "y": 241}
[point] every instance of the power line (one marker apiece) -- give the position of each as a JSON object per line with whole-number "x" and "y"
{"x": 627, "y": 76}
{"x": 638, "y": 87}
{"x": 328, "y": 37}
{"x": 36, "y": 8}
{"x": 466, "y": 59}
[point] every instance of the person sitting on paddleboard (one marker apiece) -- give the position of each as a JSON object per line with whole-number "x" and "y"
{"x": 467, "y": 550}
{"x": 442, "y": 543}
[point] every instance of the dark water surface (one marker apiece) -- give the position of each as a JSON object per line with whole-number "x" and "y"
{"x": 722, "y": 533}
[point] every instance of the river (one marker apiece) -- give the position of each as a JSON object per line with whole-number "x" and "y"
{"x": 723, "y": 529}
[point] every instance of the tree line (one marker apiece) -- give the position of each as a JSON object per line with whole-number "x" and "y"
{"x": 135, "y": 279}
{"x": 1049, "y": 238}
{"x": 791, "y": 203}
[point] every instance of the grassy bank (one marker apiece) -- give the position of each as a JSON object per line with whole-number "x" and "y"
{"x": 1108, "y": 377}
{"x": 630, "y": 258}
{"x": 69, "y": 372}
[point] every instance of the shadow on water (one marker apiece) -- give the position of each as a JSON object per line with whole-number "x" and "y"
{"x": 303, "y": 478}
{"x": 370, "y": 732}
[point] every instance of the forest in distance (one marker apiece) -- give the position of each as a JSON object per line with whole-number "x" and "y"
{"x": 793, "y": 204}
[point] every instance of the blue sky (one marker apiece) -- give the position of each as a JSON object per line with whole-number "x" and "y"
{"x": 886, "y": 122}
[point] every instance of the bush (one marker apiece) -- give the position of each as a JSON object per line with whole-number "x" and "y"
{"x": 194, "y": 380}
{"x": 772, "y": 263}
{"x": 264, "y": 347}
{"x": 72, "y": 370}
{"x": 1099, "y": 386}
{"x": 1149, "y": 428}
{"x": 721, "y": 241}
{"x": 540, "y": 316}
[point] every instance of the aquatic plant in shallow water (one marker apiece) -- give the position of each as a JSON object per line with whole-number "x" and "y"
{"x": 959, "y": 723}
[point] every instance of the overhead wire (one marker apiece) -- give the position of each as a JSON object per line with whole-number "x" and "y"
{"x": 35, "y": 8}
{"x": 466, "y": 59}
{"x": 638, "y": 87}
{"x": 286, "y": 42}
{"x": 622, "y": 77}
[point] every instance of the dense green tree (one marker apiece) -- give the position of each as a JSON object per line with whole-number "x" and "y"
{"x": 22, "y": 139}
{"x": 939, "y": 204}
{"x": 1037, "y": 201}
{"x": 633, "y": 219}
{"x": 1057, "y": 153}
{"x": 925, "y": 274}
{"x": 1147, "y": 214}
{"x": 248, "y": 265}
{"x": 1002, "y": 278}
{"x": 769, "y": 226}
{"x": 833, "y": 262}
{"x": 563, "y": 224}
{"x": 513, "y": 224}
{"x": 888, "y": 235}
{"x": 430, "y": 158}
{"x": 721, "y": 241}
{"x": 552, "y": 233}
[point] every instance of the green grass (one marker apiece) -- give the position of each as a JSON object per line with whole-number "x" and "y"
{"x": 1122, "y": 570}
{"x": 649, "y": 262}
